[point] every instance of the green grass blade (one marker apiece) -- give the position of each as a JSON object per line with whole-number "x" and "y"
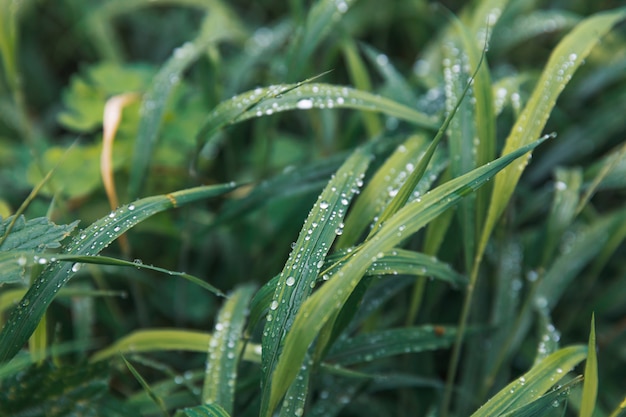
{"x": 330, "y": 298}
{"x": 384, "y": 343}
{"x": 155, "y": 340}
{"x": 295, "y": 400}
{"x": 25, "y": 317}
{"x": 322, "y": 17}
{"x": 590, "y": 386}
{"x": 296, "y": 281}
{"x": 225, "y": 350}
{"x": 620, "y": 411}
{"x": 583, "y": 249}
{"x": 105, "y": 260}
{"x": 361, "y": 80}
{"x": 563, "y": 62}
{"x": 304, "y": 96}
{"x": 207, "y": 410}
{"x": 218, "y": 26}
{"x": 530, "y": 386}
{"x": 544, "y": 404}
{"x": 146, "y": 387}
{"x": 389, "y": 177}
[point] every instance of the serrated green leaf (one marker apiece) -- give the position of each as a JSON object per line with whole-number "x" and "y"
{"x": 330, "y": 298}
{"x": 533, "y": 384}
{"x": 298, "y": 277}
{"x": 379, "y": 344}
{"x": 225, "y": 350}
{"x": 37, "y": 234}
{"x": 25, "y": 317}
{"x": 590, "y": 386}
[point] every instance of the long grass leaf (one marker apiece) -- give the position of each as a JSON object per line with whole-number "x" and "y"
{"x": 325, "y": 303}
{"x": 380, "y": 344}
{"x": 590, "y": 386}
{"x": 563, "y": 62}
{"x": 544, "y": 404}
{"x": 296, "y": 281}
{"x": 25, "y": 317}
{"x": 534, "y": 383}
{"x": 225, "y": 350}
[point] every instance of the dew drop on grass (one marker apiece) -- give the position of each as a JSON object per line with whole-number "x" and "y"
{"x": 320, "y": 263}
{"x": 305, "y": 104}
{"x": 290, "y": 281}
{"x": 560, "y": 185}
{"x": 76, "y": 267}
{"x": 274, "y": 305}
{"x": 324, "y": 204}
{"x": 21, "y": 261}
{"x": 131, "y": 207}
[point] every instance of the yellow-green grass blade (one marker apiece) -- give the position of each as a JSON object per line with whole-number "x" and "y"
{"x": 218, "y": 26}
{"x": 321, "y": 18}
{"x": 534, "y": 383}
{"x": 563, "y": 62}
{"x": 620, "y": 411}
{"x": 590, "y": 386}
{"x": 25, "y": 317}
{"x": 267, "y": 101}
{"x": 395, "y": 262}
{"x": 544, "y": 404}
{"x": 296, "y": 281}
{"x": 361, "y": 80}
{"x": 386, "y": 182}
{"x": 207, "y": 410}
{"x": 330, "y": 298}
{"x": 367, "y": 347}
{"x": 156, "y": 340}
{"x": 225, "y": 350}
{"x": 295, "y": 400}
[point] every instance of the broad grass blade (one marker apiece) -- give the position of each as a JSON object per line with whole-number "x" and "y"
{"x": 225, "y": 350}
{"x": 590, "y": 386}
{"x": 296, "y": 281}
{"x": 25, "y": 317}
{"x": 207, "y": 410}
{"x": 267, "y": 101}
{"x": 330, "y": 298}
{"x": 563, "y": 62}
{"x": 380, "y": 344}
{"x": 530, "y": 386}
{"x": 546, "y": 403}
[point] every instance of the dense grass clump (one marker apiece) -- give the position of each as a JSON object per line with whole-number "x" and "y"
{"x": 322, "y": 208}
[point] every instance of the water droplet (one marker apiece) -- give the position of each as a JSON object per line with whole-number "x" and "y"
{"x": 131, "y": 207}
{"x": 324, "y": 204}
{"x": 42, "y": 261}
{"x": 21, "y": 261}
{"x": 560, "y": 185}
{"x": 290, "y": 281}
{"x": 76, "y": 267}
{"x": 274, "y": 305}
{"x": 320, "y": 263}
{"x": 305, "y": 104}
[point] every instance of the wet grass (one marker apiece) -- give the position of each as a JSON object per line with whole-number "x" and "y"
{"x": 312, "y": 209}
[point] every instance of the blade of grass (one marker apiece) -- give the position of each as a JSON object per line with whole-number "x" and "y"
{"x": 225, "y": 350}
{"x": 298, "y": 277}
{"x": 590, "y": 386}
{"x": 25, "y": 317}
{"x": 534, "y": 383}
{"x": 544, "y": 404}
{"x": 329, "y": 299}
{"x": 144, "y": 384}
{"x": 380, "y": 344}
